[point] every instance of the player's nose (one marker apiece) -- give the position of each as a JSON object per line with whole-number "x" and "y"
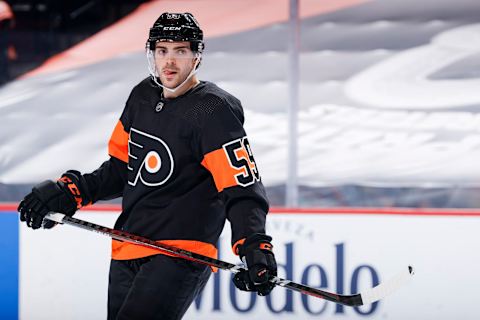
{"x": 170, "y": 57}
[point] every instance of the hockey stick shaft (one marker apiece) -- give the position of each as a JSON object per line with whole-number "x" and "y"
{"x": 369, "y": 296}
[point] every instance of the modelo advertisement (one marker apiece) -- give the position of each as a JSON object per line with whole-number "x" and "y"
{"x": 64, "y": 271}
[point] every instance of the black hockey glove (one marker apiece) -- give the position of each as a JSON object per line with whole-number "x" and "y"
{"x": 256, "y": 253}
{"x": 62, "y": 196}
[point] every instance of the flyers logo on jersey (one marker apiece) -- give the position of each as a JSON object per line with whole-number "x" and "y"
{"x": 149, "y": 159}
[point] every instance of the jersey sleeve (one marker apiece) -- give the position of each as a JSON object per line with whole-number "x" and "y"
{"x": 227, "y": 154}
{"x": 108, "y": 181}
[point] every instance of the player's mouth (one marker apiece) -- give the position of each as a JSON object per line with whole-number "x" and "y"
{"x": 169, "y": 74}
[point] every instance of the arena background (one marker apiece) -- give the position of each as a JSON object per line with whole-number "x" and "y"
{"x": 388, "y": 147}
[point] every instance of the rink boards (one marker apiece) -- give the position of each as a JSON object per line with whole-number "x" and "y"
{"x": 62, "y": 273}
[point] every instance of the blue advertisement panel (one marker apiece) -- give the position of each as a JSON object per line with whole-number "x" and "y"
{"x": 8, "y": 265}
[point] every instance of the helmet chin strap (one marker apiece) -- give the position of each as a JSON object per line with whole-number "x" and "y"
{"x": 154, "y": 74}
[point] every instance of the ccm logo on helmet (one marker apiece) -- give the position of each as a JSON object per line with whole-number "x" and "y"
{"x": 172, "y": 28}
{"x": 149, "y": 159}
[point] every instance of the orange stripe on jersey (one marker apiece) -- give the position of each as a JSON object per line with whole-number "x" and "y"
{"x": 219, "y": 166}
{"x": 126, "y": 251}
{"x": 118, "y": 144}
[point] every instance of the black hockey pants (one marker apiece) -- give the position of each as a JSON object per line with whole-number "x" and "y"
{"x": 156, "y": 287}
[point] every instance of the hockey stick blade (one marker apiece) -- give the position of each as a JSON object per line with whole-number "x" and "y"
{"x": 366, "y": 297}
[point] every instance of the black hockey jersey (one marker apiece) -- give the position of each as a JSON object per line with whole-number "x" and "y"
{"x": 183, "y": 169}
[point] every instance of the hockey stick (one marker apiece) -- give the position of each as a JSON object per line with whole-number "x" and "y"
{"x": 366, "y": 297}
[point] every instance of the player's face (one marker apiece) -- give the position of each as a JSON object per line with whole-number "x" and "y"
{"x": 174, "y": 62}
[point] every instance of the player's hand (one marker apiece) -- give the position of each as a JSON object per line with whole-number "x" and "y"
{"x": 256, "y": 252}
{"x": 46, "y": 197}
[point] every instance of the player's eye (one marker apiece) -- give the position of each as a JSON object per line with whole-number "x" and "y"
{"x": 161, "y": 52}
{"x": 181, "y": 51}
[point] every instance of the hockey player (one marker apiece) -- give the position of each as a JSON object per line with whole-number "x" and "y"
{"x": 180, "y": 158}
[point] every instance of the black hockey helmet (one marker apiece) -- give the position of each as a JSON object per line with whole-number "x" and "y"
{"x": 176, "y": 27}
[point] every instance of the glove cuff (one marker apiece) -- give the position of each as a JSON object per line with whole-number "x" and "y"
{"x": 236, "y": 246}
{"x": 255, "y": 241}
{"x": 75, "y": 184}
